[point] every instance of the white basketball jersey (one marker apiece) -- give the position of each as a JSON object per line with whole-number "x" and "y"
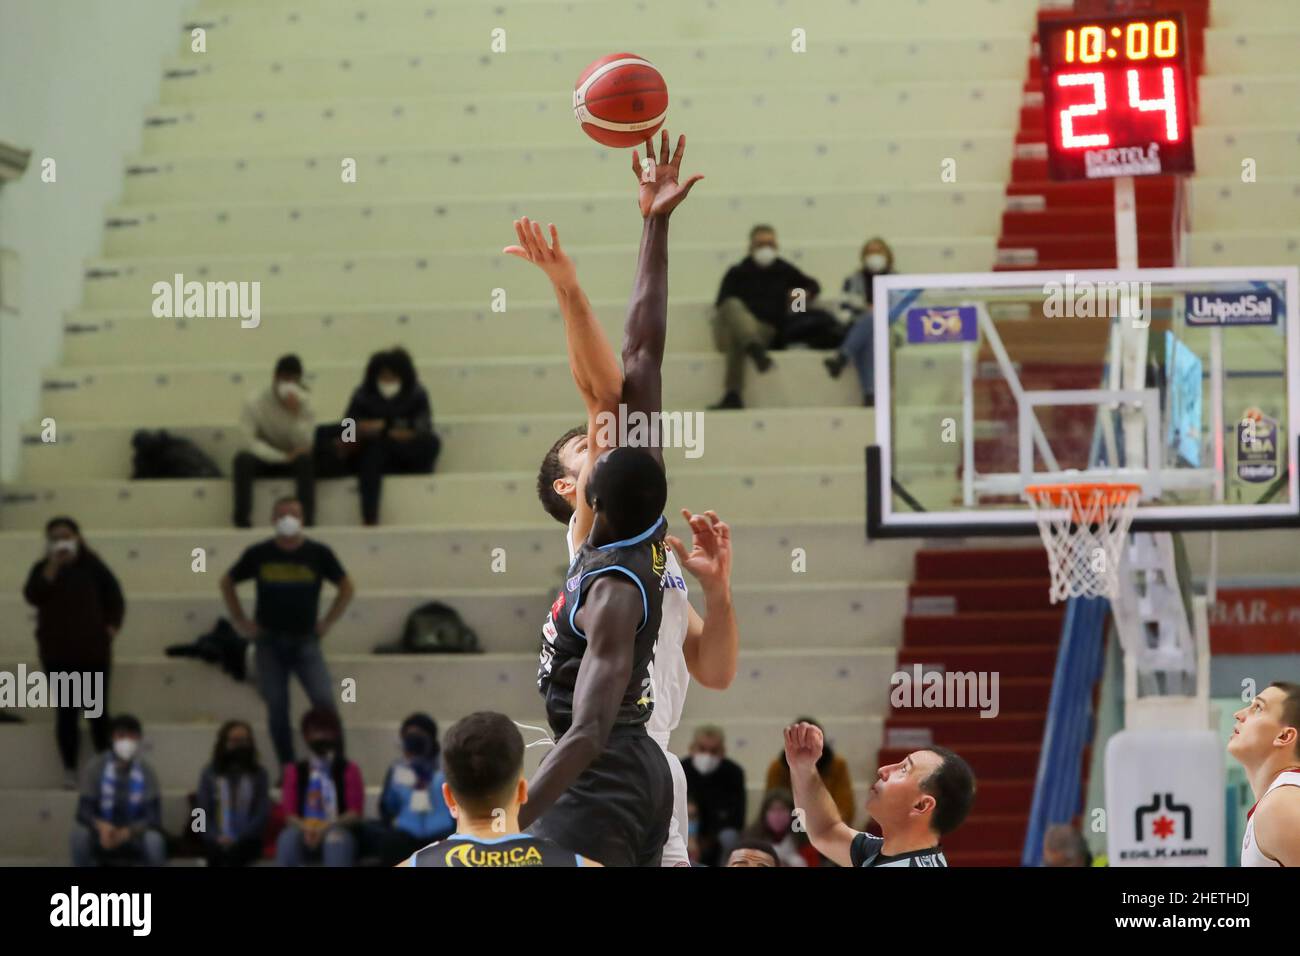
{"x": 1251, "y": 855}
{"x": 668, "y": 673}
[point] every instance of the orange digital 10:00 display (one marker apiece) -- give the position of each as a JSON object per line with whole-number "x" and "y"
{"x": 1116, "y": 96}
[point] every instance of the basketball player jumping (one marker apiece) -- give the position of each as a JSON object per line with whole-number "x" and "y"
{"x": 688, "y": 645}
{"x": 1266, "y": 742}
{"x": 915, "y": 802}
{"x": 483, "y": 760}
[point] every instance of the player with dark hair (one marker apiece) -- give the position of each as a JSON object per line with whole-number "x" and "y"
{"x": 916, "y": 802}
{"x": 483, "y": 763}
{"x": 689, "y": 646}
{"x": 1266, "y": 742}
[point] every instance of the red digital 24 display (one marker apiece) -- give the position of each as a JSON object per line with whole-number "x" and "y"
{"x": 1116, "y": 96}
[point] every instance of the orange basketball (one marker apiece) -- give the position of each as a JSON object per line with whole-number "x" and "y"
{"x": 620, "y": 100}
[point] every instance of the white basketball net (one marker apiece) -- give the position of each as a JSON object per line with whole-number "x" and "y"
{"x": 1083, "y": 527}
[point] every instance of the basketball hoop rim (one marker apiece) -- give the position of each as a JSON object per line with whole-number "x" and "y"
{"x": 1072, "y": 494}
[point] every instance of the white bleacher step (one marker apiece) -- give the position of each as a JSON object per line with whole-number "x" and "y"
{"x": 343, "y": 280}
{"x": 848, "y": 615}
{"x": 485, "y": 443}
{"x": 388, "y": 687}
{"x": 790, "y": 493}
{"x": 837, "y": 158}
{"x": 1249, "y": 100}
{"x": 825, "y": 550}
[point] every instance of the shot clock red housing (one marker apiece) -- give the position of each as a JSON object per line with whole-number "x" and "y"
{"x": 1117, "y": 96}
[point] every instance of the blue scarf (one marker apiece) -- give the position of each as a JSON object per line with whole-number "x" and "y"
{"x": 108, "y": 790}
{"x": 233, "y": 813}
{"x": 322, "y": 800}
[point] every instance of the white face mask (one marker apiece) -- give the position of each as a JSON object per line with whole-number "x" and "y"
{"x": 288, "y": 526}
{"x": 64, "y": 544}
{"x": 705, "y": 763}
{"x": 876, "y": 262}
{"x": 124, "y": 748}
{"x": 763, "y": 256}
{"x": 389, "y": 389}
{"x": 288, "y": 390}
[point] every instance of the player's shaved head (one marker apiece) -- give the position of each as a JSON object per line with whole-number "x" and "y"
{"x": 482, "y": 759}
{"x": 629, "y": 488}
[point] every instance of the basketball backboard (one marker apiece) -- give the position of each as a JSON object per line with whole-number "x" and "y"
{"x": 1185, "y": 381}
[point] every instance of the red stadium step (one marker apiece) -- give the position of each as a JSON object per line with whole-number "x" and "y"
{"x": 991, "y": 595}
{"x": 1016, "y": 694}
{"x": 1058, "y": 245}
{"x": 988, "y": 833}
{"x": 1008, "y": 660}
{"x": 998, "y": 627}
{"x": 988, "y": 761}
{"x": 982, "y": 857}
{"x": 950, "y": 730}
{"x": 1152, "y": 218}
{"x": 1004, "y": 796}
{"x": 968, "y": 564}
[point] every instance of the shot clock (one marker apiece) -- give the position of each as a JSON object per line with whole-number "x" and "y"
{"x": 1116, "y": 95}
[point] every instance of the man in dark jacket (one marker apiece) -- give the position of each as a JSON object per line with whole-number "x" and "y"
{"x": 79, "y": 609}
{"x": 756, "y": 300}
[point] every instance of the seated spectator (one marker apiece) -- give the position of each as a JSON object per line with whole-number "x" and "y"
{"x": 278, "y": 426}
{"x": 775, "y": 825}
{"x": 484, "y": 789}
{"x": 750, "y": 852}
{"x": 323, "y": 798}
{"x": 1064, "y": 845}
{"x": 286, "y": 634}
{"x": 119, "y": 815}
{"x": 831, "y": 767}
{"x": 717, "y": 786}
{"x": 411, "y": 804}
{"x": 859, "y": 295}
{"x": 79, "y": 609}
{"x": 393, "y": 431}
{"x": 234, "y": 795}
{"x": 693, "y": 833}
{"x": 753, "y": 307}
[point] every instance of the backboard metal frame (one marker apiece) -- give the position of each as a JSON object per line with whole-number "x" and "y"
{"x": 885, "y": 521}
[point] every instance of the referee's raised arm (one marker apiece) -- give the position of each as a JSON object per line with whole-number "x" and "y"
{"x": 832, "y": 837}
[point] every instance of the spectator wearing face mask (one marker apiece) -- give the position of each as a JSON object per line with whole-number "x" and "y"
{"x": 393, "y": 431}
{"x": 234, "y": 795}
{"x": 277, "y": 425}
{"x": 79, "y": 609}
{"x": 775, "y": 826}
{"x": 859, "y": 296}
{"x": 119, "y": 814}
{"x": 754, "y": 305}
{"x": 831, "y": 767}
{"x": 717, "y": 786}
{"x": 323, "y": 798}
{"x": 411, "y": 804}
{"x": 289, "y": 569}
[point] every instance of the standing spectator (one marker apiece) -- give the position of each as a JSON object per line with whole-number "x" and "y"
{"x": 119, "y": 815}
{"x": 831, "y": 767}
{"x": 289, "y": 569}
{"x": 859, "y": 295}
{"x": 323, "y": 798}
{"x": 753, "y": 306}
{"x": 234, "y": 795}
{"x": 411, "y": 804}
{"x": 717, "y": 786}
{"x": 277, "y": 425}
{"x": 79, "y": 610}
{"x": 775, "y": 826}
{"x": 393, "y": 431}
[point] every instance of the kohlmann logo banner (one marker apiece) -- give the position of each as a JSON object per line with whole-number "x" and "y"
{"x": 932, "y": 325}
{"x": 1232, "y": 308}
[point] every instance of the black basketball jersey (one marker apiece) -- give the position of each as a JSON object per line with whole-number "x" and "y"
{"x": 865, "y": 851}
{"x": 640, "y": 559}
{"x": 515, "y": 849}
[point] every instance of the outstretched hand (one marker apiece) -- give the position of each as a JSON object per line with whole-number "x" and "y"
{"x": 803, "y": 746}
{"x": 550, "y": 258}
{"x": 709, "y": 560}
{"x": 658, "y": 189}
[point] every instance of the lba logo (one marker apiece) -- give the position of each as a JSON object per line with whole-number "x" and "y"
{"x": 934, "y": 325}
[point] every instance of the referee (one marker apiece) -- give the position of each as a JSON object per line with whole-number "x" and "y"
{"x": 916, "y": 802}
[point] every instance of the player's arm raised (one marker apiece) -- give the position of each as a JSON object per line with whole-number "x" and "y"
{"x": 609, "y": 615}
{"x": 832, "y": 837}
{"x": 713, "y": 641}
{"x": 659, "y": 193}
{"x": 1277, "y": 826}
{"x": 591, "y": 356}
